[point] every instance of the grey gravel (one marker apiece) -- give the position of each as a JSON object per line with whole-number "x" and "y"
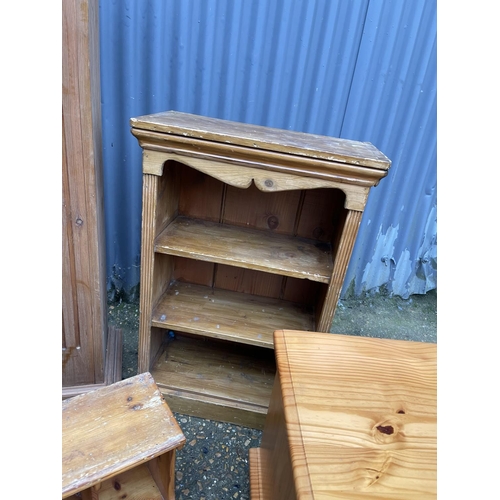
{"x": 213, "y": 465}
{"x": 214, "y": 461}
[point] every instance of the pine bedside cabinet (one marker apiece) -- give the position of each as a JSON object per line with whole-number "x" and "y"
{"x": 350, "y": 418}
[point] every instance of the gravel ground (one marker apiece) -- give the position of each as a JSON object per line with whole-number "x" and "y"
{"x": 214, "y": 462}
{"x": 389, "y": 317}
{"x": 213, "y": 465}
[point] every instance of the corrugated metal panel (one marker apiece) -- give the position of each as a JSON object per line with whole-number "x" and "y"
{"x": 286, "y": 64}
{"x": 393, "y": 105}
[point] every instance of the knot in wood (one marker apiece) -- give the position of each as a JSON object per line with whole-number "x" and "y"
{"x": 385, "y": 429}
{"x": 273, "y": 222}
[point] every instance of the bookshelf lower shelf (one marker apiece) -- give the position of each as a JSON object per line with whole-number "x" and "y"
{"x": 228, "y": 315}
{"x": 217, "y": 379}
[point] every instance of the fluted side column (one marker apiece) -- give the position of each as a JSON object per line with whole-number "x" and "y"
{"x": 149, "y": 195}
{"x": 347, "y": 240}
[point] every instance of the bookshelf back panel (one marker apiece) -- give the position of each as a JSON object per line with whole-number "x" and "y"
{"x": 249, "y": 281}
{"x": 309, "y": 213}
{"x": 320, "y": 214}
{"x": 201, "y": 196}
{"x": 193, "y": 271}
{"x": 299, "y": 291}
{"x": 276, "y": 211}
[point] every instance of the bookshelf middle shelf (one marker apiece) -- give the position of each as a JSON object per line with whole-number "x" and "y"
{"x": 250, "y": 248}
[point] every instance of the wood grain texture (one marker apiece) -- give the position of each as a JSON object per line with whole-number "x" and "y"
{"x": 162, "y": 469}
{"x": 198, "y": 272}
{"x": 239, "y": 279}
{"x": 265, "y": 138}
{"x": 222, "y": 410}
{"x": 167, "y": 197}
{"x": 270, "y": 174}
{"x": 277, "y": 478}
{"x": 149, "y": 197}
{"x": 84, "y": 325}
{"x": 342, "y": 255}
{"x": 104, "y": 432}
{"x": 134, "y": 483}
{"x": 201, "y": 196}
{"x": 265, "y": 179}
{"x": 114, "y": 354}
{"x": 227, "y": 315}
{"x": 260, "y": 474}
{"x": 249, "y": 248}
{"x": 255, "y": 466}
{"x": 320, "y": 214}
{"x": 269, "y": 211}
{"x": 220, "y": 379}
{"x": 360, "y": 415}
{"x": 113, "y": 363}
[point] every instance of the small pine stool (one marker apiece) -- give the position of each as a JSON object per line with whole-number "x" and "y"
{"x": 119, "y": 442}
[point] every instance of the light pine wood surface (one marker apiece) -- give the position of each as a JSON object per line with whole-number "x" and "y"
{"x": 227, "y": 315}
{"x": 135, "y": 483}
{"x": 359, "y": 416}
{"x": 342, "y": 257}
{"x": 264, "y": 138}
{"x": 218, "y": 379}
{"x": 112, "y": 430}
{"x": 249, "y": 248}
{"x": 149, "y": 292}
{"x": 260, "y": 152}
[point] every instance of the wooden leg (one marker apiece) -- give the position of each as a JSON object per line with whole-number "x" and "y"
{"x": 261, "y": 475}
{"x": 276, "y": 478}
{"x": 347, "y": 240}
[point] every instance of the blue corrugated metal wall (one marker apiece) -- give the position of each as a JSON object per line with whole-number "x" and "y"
{"x": 361, "y": 70}
{"x": 392, "y": 104}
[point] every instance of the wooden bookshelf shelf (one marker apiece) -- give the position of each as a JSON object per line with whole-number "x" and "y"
{"x": 245, "y": 230}
{"x": 249, "y": 248}
{"x": 217, "y": 377}
{"x": 228, "y": 315}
